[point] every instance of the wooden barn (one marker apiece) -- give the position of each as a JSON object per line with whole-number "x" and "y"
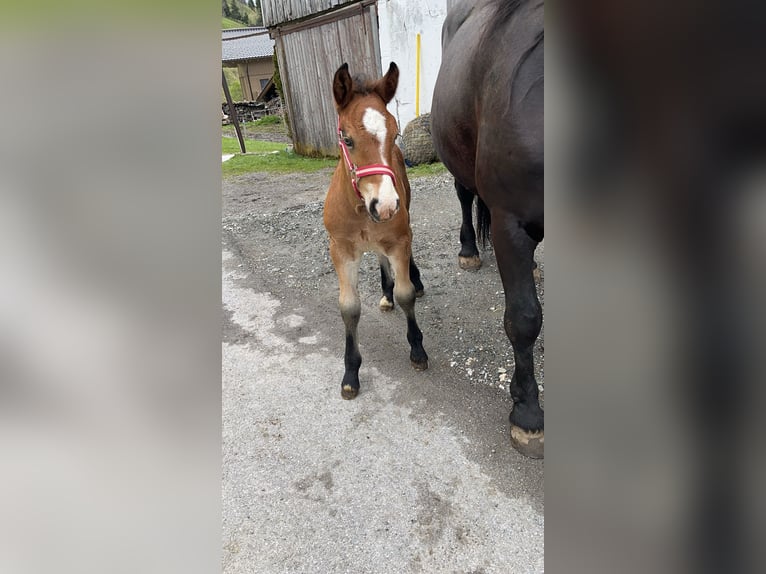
{"x": 314, "y": 37}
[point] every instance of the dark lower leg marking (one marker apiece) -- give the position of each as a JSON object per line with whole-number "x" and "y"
{"x": 415, "y": 278}
{"x": 387, "y": 285}
{"x": 418, "y": 356}
{"x": 352, "y": 357}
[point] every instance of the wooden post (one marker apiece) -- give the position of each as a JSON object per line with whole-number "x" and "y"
{"x": 249, "y": 85}
{"x": 233, "y": 112}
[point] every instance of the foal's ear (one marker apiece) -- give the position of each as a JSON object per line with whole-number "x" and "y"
{"x": 386, "y": 86}
{"x": 342, "y": 87}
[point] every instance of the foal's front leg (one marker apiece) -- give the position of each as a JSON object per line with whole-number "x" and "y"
{"x": 404, "y": 292}
{"x": 346, "y": 263}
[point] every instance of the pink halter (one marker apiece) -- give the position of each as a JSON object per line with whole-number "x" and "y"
{"x": 358, "y": 173}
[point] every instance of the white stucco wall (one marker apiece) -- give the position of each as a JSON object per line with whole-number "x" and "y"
{"x": 399, "y": 23}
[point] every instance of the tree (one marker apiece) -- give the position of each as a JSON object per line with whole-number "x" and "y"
{"x": 251, "y": 4}
{"x": 234, "y": 12}
{"x": 259, "y": 13}
{"x": 225, "y": 8}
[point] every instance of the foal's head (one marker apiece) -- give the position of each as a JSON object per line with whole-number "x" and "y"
{"x": 367, "y": 131}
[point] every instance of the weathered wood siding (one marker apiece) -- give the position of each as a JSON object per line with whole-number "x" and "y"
{"x": 277, "y": 12}
{"x": 309, "y": 54}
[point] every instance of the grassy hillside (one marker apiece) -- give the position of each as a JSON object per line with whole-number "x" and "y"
{"x": 232, "y": 79}
{"x": 249, "y": 17}
{"x": 227, "y": 23}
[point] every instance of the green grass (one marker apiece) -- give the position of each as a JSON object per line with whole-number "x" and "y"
{"x": 269, "y": 157}
{"x": 228, "y": 23}
{"x": 426, "y": 169}
{"x": 268, "y": 121}
{"x": 273, "y": 157}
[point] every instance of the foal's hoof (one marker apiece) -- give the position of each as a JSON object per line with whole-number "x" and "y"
{"x": 419, "y": 294}
{"x": 386, "y": 304}
{"x": 528, "y": 443}
{"x": 469, "y": 263}
{"x": 420, "y": 365}
{"x": 348, "y": 392}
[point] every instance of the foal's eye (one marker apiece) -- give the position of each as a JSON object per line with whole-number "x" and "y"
{"x": 348, "y": 141}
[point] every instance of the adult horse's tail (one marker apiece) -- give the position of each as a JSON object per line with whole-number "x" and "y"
{"x": 483, "y": 222}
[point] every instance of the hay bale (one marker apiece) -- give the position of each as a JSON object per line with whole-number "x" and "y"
{"x": 416, "y": 141}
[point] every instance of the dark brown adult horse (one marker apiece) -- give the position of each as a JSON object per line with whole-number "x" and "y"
{"x": 367, "y": 209}
{"x": 487, "y": 127}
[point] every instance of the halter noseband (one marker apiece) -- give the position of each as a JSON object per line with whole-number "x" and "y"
{"x": 358, "y": 173}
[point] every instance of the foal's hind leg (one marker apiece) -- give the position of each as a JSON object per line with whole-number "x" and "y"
{"x": 415, "y": 278}
{"x": 514, "y": 250}
{"x": 404, "y": 291}
{"x": 387, "y": 282}
{"x": 346, "y": 263}
{"x": 468, "y": 258}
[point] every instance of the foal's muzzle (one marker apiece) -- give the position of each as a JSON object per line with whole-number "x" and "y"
{"x": 378, "y": 214}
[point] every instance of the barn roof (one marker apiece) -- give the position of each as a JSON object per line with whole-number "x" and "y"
{"x": 239, "y": 44}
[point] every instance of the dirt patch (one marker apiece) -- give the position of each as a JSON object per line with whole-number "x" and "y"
{"x": 274, "y": 222}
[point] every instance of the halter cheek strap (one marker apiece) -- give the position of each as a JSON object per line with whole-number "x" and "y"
{"x": 358, "y": 173}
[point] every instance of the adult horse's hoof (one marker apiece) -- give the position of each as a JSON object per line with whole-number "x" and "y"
{"x": 348, "y": 392}
{"x": 386, "y": 304}
{"x": 528, "y": 443}
{"x": 469, "y": 263}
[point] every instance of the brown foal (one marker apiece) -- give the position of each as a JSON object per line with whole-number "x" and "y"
{"x": 367, "y": 209}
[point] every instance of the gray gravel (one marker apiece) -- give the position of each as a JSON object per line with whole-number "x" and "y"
{"x": 416, "y": 474}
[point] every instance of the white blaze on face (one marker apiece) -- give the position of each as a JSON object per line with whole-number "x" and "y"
{"x": 375, "y": 123}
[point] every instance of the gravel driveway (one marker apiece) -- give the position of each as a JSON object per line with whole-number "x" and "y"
{"x": 416, "y": 474}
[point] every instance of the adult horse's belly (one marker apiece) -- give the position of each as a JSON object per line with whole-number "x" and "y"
{"x": 487, "y": 109}
{"x": 453, "y": 115}
{"x": 455, "y": 144}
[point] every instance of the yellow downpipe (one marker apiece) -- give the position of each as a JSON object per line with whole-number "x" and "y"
{"x": 417, "y": 77}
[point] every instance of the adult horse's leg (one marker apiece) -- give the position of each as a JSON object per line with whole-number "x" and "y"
{"x": 347, "y": 267}
{"x": 404, "y": 291}
{"x": 514, "y": 250}
{"x": 468, "y": 258}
